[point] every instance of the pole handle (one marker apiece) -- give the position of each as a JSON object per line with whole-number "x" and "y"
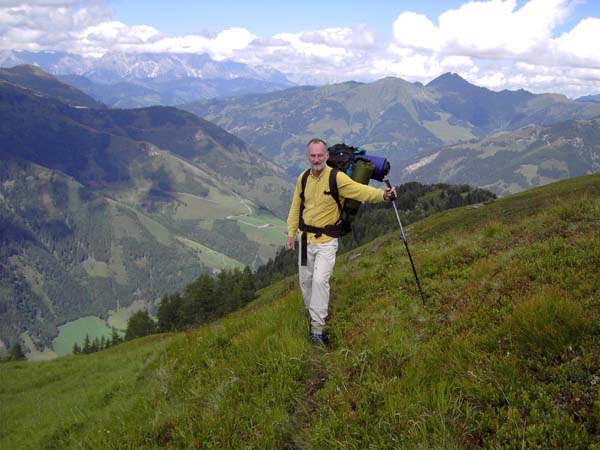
{"x": 389, "y": 185}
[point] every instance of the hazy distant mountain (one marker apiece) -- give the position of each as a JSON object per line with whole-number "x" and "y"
{"x": 101, "y": 208}
{"x": 512, "y": 161}
{"x": 149, "y": 91}
{"x": 589, "y": 98}
{"x": 389, "y": 117}
{"x": 114, "y": 67}
{"x": 135, "y": 80}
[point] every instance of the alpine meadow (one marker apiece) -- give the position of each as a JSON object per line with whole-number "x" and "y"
{"x": 151, "y": 288}
{"x": 504, "y": 353}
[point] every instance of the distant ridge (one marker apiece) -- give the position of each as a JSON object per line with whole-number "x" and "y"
{"x": 589, "y": 98}
{"x": 389, "y": 117}
{"x": 146, "y": 79}
{"x": 511, "y": 161}
{"x": 32, "y": 77}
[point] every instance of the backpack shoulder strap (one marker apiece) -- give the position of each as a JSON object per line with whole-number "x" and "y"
{"x": 303, "y": 186}
{"x": 333, "y": 188}
{"x": 303, "y": 183}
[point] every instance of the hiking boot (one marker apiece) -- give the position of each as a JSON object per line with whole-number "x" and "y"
{"x": 318, "y": 339}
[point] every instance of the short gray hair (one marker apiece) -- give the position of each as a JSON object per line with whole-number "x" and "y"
{"x": 317, "y": 141}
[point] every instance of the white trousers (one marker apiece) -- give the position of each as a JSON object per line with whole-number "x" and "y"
{"x": 314, "y": 281}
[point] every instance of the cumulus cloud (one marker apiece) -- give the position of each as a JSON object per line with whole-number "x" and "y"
{"x": 220, "y": 47}
{"x": 580, "y": 45}
{"x": 359, "y": 37}
{"x": 500, "y": 44}
{"x": 316, "y": 56}
{"x": 491, "y": 42}
{"x": 87, "y": 27}
{"x": 493, "y": 29}
{"x": 48, "y": 24}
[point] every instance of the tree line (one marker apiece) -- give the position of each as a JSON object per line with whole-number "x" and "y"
{"x": 97, "y": 344}
{"x": 207, "y": 298}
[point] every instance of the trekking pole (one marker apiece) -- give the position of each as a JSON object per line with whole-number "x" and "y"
{"x": 403, "y": 236}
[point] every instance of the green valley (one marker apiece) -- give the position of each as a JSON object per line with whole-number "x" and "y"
{"x": 104, "y": 210}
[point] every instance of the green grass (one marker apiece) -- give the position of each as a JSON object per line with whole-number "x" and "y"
{"x": 504, "y": 354}
{"x": 209, "y": 257}
{"x": 118, "y": 319}
{"x": 445, "y": 131}
{"x": 216, "y": 205}
{"x": 264, "y": 229}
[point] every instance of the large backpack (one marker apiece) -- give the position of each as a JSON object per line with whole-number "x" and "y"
{"x": 359, "y": 166}
{"x": 345, "y": 157}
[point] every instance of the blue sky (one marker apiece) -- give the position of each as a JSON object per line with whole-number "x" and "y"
{"x": 538, "y": 45}
{"x": 266, "y": 18}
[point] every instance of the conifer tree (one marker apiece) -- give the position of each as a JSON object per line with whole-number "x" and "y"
{"x": 139, "y": 324}
{"x": 169, "y": 313}
{"x": 95, "y": 345}
{"x": 199, "y": 300}
{"x": 248, "y": 285}
{"x": 115, "y": 338}
{"x": 87, "y": 345}
{"x": 16, "y": 353}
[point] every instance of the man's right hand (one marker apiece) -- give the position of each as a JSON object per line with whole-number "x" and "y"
{"x": 290, "y": 244}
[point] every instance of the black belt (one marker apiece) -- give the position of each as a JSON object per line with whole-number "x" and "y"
{"x": 330, "y": 230}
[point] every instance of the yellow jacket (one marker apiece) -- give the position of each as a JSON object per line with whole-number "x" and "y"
{"x": 320, "y": 209}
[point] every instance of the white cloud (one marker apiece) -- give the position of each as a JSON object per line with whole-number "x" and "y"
{"x": 486, "y": 29}
{"x": 488, "y": 43}
{"x": 10, "y": 3}
{"x": 359, "y": 37}
{"x": 48, "y": 24}
{"x": 87, "y": 27}
{"x": 494, "y": 43}
{"x": 580, "y": 45}
{"x": 220, "y": 47}
{"x": 416, "y": 31}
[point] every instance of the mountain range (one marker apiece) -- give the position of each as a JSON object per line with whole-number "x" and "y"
{"x": 135, "y": 80}
{"x": 404, "y": 122}
{"x": 104, "y": 208}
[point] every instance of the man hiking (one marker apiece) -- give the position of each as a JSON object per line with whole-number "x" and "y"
{"x": 317, "y": 218}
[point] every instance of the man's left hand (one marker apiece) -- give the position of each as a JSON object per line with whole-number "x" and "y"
{"x": 389, "y": 193}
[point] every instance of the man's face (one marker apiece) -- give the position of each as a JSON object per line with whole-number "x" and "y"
{"x": 317, "y": 156}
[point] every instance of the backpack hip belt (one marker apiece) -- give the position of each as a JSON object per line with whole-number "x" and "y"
{"x": 335, "y": 231}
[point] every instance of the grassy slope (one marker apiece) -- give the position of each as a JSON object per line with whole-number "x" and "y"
{"x": 505, "y": 354}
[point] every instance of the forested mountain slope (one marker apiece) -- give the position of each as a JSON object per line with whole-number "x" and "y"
{"x": 103, "y": 209}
